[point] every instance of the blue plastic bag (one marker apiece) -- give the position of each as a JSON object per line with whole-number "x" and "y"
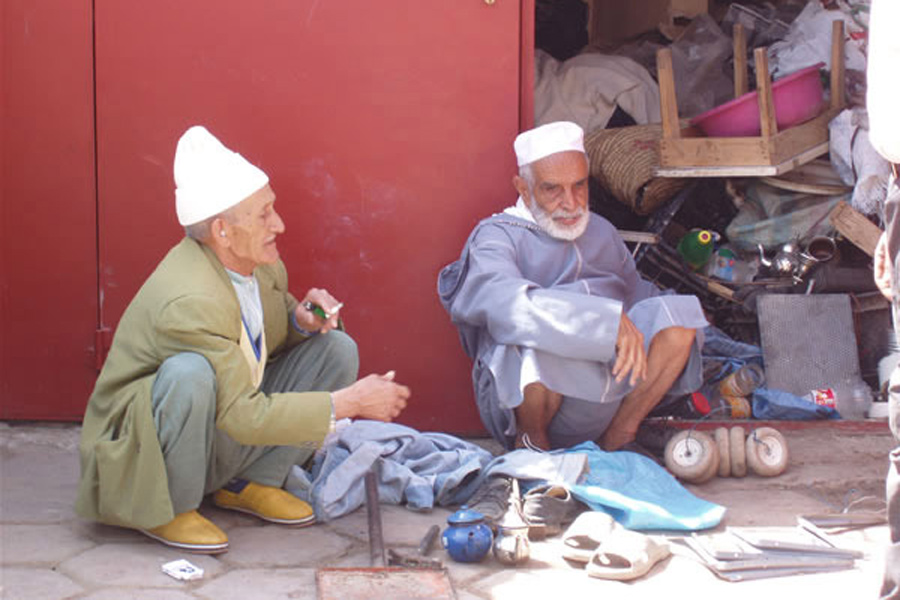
{"x": 778, "y": 404}
{"x": 640, "y": 494}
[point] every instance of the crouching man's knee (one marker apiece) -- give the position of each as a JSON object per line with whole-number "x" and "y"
{"x": 185, "y": 384}
{"x": 341, "y": 354}
{"x": 677, "y": 337}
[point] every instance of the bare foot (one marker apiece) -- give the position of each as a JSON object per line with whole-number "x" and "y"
{"x": 613, "y": 439}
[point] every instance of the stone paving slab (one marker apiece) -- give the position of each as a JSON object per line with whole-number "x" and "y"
{"x": 145, "y": 594}
{"x": 43, "y": 545}
{"x": 43, "y": 583}
{"x": 244, "y": 584}
{"x": 274, "y": 546}
{"x": 133, "y": 565}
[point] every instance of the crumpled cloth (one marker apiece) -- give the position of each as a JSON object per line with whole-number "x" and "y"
{"x": 420, "y": 469}
{"x": 640, "y": 494}
{"x": 586, "y": 89}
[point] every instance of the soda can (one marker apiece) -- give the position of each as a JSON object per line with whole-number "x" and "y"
{"x": 823, "y": 397}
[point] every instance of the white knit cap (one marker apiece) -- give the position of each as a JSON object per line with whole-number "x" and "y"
{"x": 560, "y": 136}
{"x": 210, "y": 178}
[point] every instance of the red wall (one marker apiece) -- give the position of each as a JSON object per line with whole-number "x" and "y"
{"x": 48, "y": 246}
{"x": 386, "y": 129}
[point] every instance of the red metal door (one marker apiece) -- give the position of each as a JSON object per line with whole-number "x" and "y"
{"x": 385, "y": 127}
{"x": 48, "y": 252}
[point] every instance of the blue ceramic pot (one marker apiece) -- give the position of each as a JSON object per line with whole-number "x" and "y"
{"x": 467, "y": 538}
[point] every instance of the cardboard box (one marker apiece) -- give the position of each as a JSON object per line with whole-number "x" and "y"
{"x": 617, "y": 20}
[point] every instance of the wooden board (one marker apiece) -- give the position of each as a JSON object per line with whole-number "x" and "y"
{"x": 744, "y": 170}
{"x": 854, "y": 226}
{"x": 816, "y": 177}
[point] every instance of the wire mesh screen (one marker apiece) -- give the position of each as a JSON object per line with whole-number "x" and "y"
{"x": 808, "y": 342}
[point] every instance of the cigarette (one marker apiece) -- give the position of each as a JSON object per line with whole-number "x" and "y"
{"x": 335, "y": 310}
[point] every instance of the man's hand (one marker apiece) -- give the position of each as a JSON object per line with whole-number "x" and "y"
{"x": 309, "y": 320}
{"x": 882, "y": 268}
{"x": 630, "y": 355}
{"x": 374, "y": 397}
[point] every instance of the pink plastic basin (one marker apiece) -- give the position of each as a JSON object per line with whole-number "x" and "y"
{"x": 798, "y": 97}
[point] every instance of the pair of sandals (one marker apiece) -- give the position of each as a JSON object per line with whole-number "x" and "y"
{"x": 610, "y": 551}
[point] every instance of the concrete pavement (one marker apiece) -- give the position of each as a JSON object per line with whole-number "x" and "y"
{"x": 47, "y": 552}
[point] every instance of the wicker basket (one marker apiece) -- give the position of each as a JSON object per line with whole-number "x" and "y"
{"x": 623, "y": 159}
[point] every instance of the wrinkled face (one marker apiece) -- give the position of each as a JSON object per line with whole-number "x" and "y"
{"x": 558, "y": 199}
{"x": 250, "y": 229}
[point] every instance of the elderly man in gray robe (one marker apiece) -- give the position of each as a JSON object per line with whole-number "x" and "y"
{"x": 569, "y": 343}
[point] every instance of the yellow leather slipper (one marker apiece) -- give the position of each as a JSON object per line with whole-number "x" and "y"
{"x": 192, "y": 532}
{"x": 268, "y": 503}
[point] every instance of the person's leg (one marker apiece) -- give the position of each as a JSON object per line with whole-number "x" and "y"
{"x": 890, "y": 588}
{"x": 325, "y": 362}
{"x": 666, "y": 358}
{"x": 579, "y": 421}
{"x": 533, "y": 416}
{"x": 183, "y": 400}
{"x": 184, "y": 409}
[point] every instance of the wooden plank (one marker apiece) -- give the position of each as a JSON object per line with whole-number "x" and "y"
{"x": 668, "y": 106}
{"x": 799, "y": 138}
{"x": 639, "y": 237}
{"x": 854, "y": 226}
{"x": 720, "y": 290}
{"x": 837, "y": 64}
{"x": 744, "y": 171}
{"x": 714, "y": 152}
{"x": 767, "y": 124}
{"x": 740, "y": 61}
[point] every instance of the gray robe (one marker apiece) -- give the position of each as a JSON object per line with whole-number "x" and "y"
{"x": 530, "y": 307}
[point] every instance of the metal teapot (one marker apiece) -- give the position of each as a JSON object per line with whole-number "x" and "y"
{"x": 467, "y": 538}
{"x": 789, "y": 260}
{"x": 511, "y": 546}
{"x": 785, "y": 260}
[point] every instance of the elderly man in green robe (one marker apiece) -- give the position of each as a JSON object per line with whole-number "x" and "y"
{"x": 219, "y": 380}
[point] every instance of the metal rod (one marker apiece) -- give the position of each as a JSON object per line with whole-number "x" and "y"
{"x": 373, "y": 512}
{"x": 429, "y": 539}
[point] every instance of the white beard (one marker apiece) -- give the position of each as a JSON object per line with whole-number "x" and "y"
{"x": 560, "y": 232}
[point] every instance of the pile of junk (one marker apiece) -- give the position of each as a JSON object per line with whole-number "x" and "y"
{"x": 730, "y": 148}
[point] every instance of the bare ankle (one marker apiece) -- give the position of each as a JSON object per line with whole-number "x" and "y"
{"x": 537, "y": 439}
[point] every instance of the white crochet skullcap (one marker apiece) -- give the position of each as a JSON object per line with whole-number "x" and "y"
{"x": 210, "y": 178}
{"x": 560, "y": 136}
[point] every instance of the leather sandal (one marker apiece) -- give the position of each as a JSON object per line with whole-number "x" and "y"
{"x": 192, "y": 532}
{"x": 266, "y": 502}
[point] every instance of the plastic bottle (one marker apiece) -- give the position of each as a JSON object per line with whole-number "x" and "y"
{"x": 852, "y": 398}
{"x": 696, "y": 247}
{"x": 721, "y": 264}
{"x": 743, "y": 381}
{"x": 736, "y": 387}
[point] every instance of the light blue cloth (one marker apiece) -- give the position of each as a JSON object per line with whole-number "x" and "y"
{"x": 420, "y": 469}
{"x": 640, "y": 494}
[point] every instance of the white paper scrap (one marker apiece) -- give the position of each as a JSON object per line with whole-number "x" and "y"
{"x": 182, "y": 569}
